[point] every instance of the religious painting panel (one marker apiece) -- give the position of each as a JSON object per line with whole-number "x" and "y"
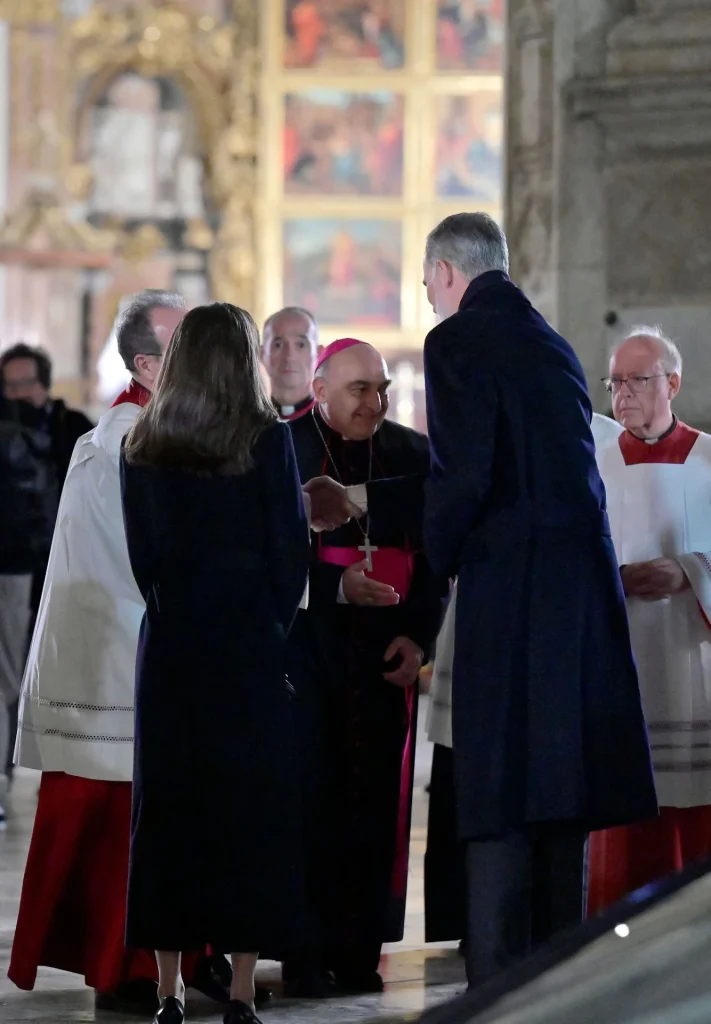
{"x": 351, "y": 34}
{"x": 469, "y": 147}
{"x": 470, "y": 35}
{"x": 345, "y": 271}
{"x": 338, "y": 142}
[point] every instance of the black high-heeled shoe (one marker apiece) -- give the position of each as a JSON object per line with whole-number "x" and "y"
{"x": 170, "y": 1011}
{"x": 239, "y": 1013}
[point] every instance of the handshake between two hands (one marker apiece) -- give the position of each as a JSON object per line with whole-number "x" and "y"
{"x": 330, "y": 504}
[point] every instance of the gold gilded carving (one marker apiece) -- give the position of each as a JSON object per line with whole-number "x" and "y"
{"x": 78, "y": 181}
{"x": 30, "y": 12}
{"x": 140, "y": 245}
{"x": 217, "y": 67}
{"x": 38, "y": 232}
{"x": 199, "y": 235}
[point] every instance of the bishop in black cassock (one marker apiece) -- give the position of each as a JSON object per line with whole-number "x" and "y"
{"x": 357, "y": 726}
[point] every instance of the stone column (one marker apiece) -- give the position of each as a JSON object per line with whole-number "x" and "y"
{"x": 653, "y": 103}
{"x": 609, "y": 159}
{"x": 579, "y": 243}
{"x": 529, "y": 149}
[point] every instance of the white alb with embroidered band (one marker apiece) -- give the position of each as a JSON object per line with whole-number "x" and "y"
{"x": 76, "y": 708}
{"x": 660, "y": 506}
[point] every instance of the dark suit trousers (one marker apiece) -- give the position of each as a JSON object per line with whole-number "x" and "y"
{"x": 522, "y": 888}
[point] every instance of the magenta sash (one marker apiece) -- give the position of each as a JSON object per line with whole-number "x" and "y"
{"x": 391, "y": 566}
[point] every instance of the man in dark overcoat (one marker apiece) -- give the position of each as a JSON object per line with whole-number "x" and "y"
{"x": 549, "y": 737}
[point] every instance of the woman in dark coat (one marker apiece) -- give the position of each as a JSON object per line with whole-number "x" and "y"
{"x": 219, "y": 546}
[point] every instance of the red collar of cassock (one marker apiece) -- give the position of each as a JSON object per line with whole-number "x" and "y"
{"x": 674, "y": 449}
{"x": 134, "y": 394}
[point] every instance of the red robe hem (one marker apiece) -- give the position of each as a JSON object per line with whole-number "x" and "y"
{"x": 622, "y": 860}
{"x": 73, "y": 906}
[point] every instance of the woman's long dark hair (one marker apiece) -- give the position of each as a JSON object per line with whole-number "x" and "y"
{"x": 210, "y": 405}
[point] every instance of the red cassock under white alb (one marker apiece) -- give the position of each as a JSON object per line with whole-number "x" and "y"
{"x": 659, "y": 503}
{"x": 76, "y": 725}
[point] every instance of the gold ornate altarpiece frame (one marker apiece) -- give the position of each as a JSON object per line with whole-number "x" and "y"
{"x": 217, "y": 67}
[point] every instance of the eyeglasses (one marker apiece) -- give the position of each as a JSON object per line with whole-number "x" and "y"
{"x": 635, "y": 384}
{"x": 17, "y": 385}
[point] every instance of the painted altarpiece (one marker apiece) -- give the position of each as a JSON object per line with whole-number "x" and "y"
{"x": 281, "y": 151}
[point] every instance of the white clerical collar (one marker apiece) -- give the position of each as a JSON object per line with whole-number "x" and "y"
{"x": 664, "y": 436}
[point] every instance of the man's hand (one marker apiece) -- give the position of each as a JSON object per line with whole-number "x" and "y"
{"x": 426, "y": 673}
{"x": 655, "y": 580}
{"x": 406, "y": 672}
{"x": 330, "y": 506}
{"x": 359, "y": 590}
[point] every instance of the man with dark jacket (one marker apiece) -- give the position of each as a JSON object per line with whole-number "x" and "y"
{"x": 26, "y": 374}
{"x": 24, "y": 453}
{"x": 549, "y": 739}
{"x": 26, "y": 377}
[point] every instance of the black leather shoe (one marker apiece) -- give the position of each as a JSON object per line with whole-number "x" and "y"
{"x": 310, "y": 985}
{"x": 222, "y": 968}
{"x": 262, "y": 996}
{"x": 359, "y": 983}
{"x": 171, "y": 1011}
{"x": 240, "y": 1013}
{"x": 213, "y": 977}
{"x": 132, "y": 997}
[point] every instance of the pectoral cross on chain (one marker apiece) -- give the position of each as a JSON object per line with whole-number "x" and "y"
{"x": 368, "y": 548}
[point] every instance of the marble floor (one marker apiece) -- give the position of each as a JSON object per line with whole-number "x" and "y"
{"x": 415, "y": 978}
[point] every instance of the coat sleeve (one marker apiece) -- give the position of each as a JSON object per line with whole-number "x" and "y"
{"x": 397, "y": 505}
{"x": 324, "y": 582}
{"x": 424, "y": 609}
{"x": 287, "y": 553}
{"x": 462, "y": 414}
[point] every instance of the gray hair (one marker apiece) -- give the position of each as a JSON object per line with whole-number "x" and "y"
{"x": 134, "y": 331}
{"x": 670, "y": 357}
{"x": 471, "y": 242}
{"x": 289, "y": 311}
